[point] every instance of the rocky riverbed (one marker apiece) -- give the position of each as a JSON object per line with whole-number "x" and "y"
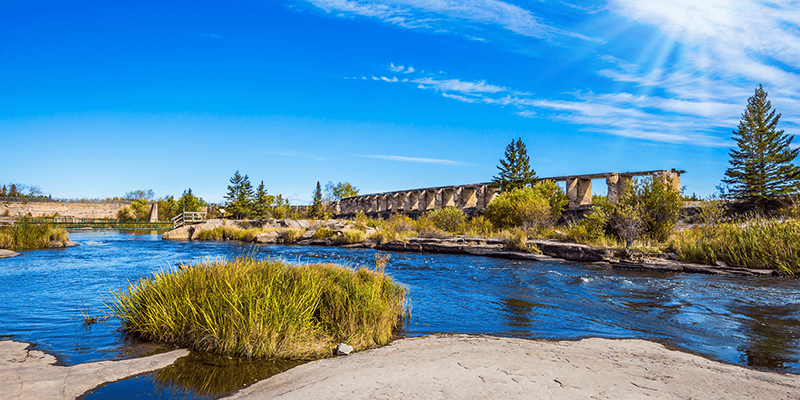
{"x": 479, "y": 246}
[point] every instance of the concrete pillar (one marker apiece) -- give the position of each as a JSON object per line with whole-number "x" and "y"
{"x": 671, "y": 177}
{"x": 154, "y": 213}
{"x": 488, "y": 194}
{"x": 336, "y": 207}
{"x": 427, "y": 199}
{"x": 579, "y": 192}
{"x": 447, "y": 198}
{"x": 397, "y": 202}
{"x": 412, "y": 201}
{"x": 617, "y": 184}
{"x": 467, "y": 198}
{"x": 372, "y": 204}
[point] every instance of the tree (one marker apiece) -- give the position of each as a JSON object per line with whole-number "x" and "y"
{"x": 240, "y": 196}
{"x": 761, "y": 168}
{"x": 316, "y": 203}
{"x": 264, "y": 203}
{"x": 190, "y": 203}
{"x": 341, "y": 190}
{"x": 140, "y": 194}
{"x": 515, "y": 169}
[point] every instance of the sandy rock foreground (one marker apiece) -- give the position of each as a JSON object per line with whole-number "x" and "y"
{"x": 30, "y": 374}
{"x": 477, "y": 367}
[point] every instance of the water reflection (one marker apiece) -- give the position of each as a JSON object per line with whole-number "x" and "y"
{"x": 771, "y": 336}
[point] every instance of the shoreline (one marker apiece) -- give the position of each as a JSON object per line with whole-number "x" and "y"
{"x": 552, "y": 250}
{"x": 486, "y": 367}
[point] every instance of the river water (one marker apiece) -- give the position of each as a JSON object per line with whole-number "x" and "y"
{"x": 750, "y": 321}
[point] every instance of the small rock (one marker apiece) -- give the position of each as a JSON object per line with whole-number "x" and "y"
{"x": 343, "y": 349}
{"x": 55, "y": 244}
{"x": 721, "y": 264}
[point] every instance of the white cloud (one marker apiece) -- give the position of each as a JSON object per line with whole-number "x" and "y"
{"x": 442, "y": 15}
{"x": 395, "y": 69}
{"x": 409, "y": 70}
{"x": 393, "y": 79}
{"x": 418, "y": 160}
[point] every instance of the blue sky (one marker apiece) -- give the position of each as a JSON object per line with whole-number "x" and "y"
{"x": 100, "y": 98}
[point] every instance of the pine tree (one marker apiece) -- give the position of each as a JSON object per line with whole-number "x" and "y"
{"x": 240, "y": 197}
{"x": 316, "y": 203}
{"x": 263, "y": 204}
{"x": 515, "y": 170}
{"x": 761, "y": 168}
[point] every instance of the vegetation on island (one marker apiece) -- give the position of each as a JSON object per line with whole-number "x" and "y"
{"x": 24, "y": 235}
{"x": 264, "y": 308}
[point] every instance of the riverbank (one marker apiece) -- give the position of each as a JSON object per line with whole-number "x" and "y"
{"x": 26, "y": 373}
{"x": 482, "y": 367}
{"x": 341, "y": 233}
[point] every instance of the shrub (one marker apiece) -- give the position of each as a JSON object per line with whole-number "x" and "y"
{"x": 448, "y": 219}
{"x": 556, "y": 197}
{"x": 263, "y": 308}
{"x": 523, "y": 207}
{"x": 479, "y": 226}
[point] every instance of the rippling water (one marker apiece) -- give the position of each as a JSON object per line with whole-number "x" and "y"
{"x": 753, "y": 322}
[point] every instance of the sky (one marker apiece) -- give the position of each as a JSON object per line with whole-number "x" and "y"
{"x": 101, "y": 98}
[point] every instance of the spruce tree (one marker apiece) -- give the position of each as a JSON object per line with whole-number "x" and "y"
{"x": 761, "y": 168}
{"x": 316, "y": 204}
{"x": 240, "y": 196}
{"x": 515, "y": 169}
{"x": 263, "y": 203}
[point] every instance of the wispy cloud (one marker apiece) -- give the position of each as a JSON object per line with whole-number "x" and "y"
{"x": 447, "y": 16}
{"x": 418, "y": 160}
{"x": 295, "y": 153}
{"x": 211, "y": 35}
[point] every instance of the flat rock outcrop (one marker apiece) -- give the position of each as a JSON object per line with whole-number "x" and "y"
{"x": 30, "y": 374}
{"x": 482, "y": 367}
{"x": 7, "y": 253}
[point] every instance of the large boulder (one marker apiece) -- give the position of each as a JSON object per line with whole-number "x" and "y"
{"x": 572, "y": 251}
{"x": 7, "y": 253}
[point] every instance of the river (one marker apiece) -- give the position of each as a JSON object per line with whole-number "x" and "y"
{"x": 749, "y": 321}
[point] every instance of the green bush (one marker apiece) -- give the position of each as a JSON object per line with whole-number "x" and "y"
{"x": 291, "y": 235}
{"x": 350, "y": 237}
{"x": 324, "y": 233}
{"x": 448, "y": 219}
{"x": 479, "y": 226}
{"x": 263, "y": 308}
{"x": 523, "y": 207}
{"x": 556, "y": 197}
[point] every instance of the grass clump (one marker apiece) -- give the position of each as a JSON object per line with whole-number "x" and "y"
{"x": 292, "y": 235}
{"x": 25, "y": 235}
{"x": 351, "y": 237}
{"x": 228, "y": 233}
{"x": 324, "y": 233}
{"x": 759, "y": 243}
{"x": 263, "y": 308}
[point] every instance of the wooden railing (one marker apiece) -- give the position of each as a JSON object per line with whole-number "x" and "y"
{"x": 187, "y": 218}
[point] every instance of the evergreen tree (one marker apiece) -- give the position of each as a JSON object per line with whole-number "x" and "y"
{"x": 12, "y": 191}
{"x": 316, "y": 203}
{"x": 3, "y": 191}
{"x": 264, "y": 203}
{"x": 515, "y": 170}
{"x": 190, "y": 203}
{"x": 761, "y": 168}
{"x": 240, "y": 196}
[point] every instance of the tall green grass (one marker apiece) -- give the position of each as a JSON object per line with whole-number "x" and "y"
{"x": 263, "y": 308}
{"x": 229, "y": 233}
{"x": 27, "y": 236}
{"x": 759, "y": 243}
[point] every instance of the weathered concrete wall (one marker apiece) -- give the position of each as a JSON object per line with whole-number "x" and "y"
{"x": 475, "y": 197}
{"x": 18, "y": 209}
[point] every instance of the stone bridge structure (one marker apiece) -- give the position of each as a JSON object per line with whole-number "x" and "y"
{"x": 475, "y": 197}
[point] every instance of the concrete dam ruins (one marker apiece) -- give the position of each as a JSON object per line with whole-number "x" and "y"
{"x": 475, "y": 197}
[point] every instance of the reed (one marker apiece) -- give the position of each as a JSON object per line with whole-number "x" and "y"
{"x": 27, "y": 236}
{"x": 758, "y": 243}
{"x": 263, "y": 308}
{"x": 229, "y": 233}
